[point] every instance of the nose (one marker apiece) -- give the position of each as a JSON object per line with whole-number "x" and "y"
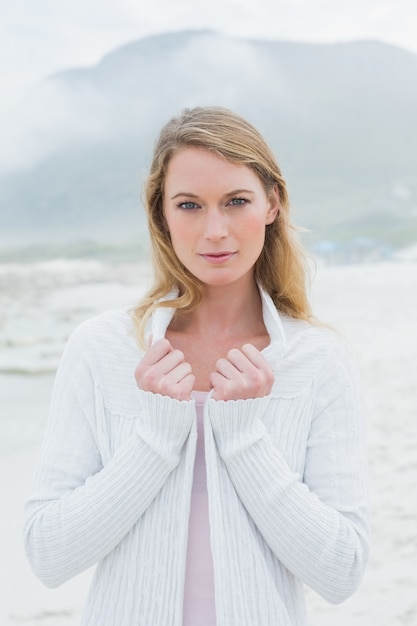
{"x": 215, "y": 227}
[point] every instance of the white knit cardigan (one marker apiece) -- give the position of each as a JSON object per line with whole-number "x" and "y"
{"x": 287, "y": 481}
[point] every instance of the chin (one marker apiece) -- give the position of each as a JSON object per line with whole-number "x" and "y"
{"x": 225, "y": 280}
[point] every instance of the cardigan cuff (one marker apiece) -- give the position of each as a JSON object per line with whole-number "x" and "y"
{"x": 165, "y": 423}
{"x": 237, "y": 424}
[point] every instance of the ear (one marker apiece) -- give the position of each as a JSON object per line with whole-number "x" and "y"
{"x": 273, "y": 202}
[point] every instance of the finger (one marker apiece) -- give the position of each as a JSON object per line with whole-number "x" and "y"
{"x": 177, "y": 374}
{"x": 160, "y": 377}
{"x": 242, "y": 374}
{"x": 254, "y": 355}
{"x": 176, "y": 384}
{"x": 169, "y": 362}
{"x": 184, "y": 388}
{"x": 156, "y": 352}
{"x": 263, "y": 371}
{"x": 239, "y": 360}
{"x": 222, "y": 387}
{"x": 258, "y": 360}
{"x": 156, "y": 363}
{"x": 228, "y": 369}
{"x": 237, "y": 366}
{"x": 235, "y": 380}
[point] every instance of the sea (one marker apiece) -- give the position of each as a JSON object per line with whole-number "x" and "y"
{"x": 41, "y": 303}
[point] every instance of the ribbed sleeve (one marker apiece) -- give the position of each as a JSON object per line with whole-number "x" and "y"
{"x": 81, "y": 509}
{"x": 317, "y": 523}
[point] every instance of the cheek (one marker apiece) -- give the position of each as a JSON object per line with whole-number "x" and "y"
{"x": 254, "y": 227}
{"x": 176, "y": 227}
{"x": 181, "y": 234}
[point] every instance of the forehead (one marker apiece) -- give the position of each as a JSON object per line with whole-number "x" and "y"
{"x": 201, "y": 167}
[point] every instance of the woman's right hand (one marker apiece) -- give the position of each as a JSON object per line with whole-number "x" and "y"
{"x": 164, "y": 370}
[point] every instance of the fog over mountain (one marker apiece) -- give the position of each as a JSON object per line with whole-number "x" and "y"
{"x": 341, "y": 118}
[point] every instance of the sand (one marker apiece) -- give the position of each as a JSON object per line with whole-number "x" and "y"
{"x": 374, "y": 306}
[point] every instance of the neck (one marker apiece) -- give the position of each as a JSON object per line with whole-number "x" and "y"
{"x": 227, "y": 312}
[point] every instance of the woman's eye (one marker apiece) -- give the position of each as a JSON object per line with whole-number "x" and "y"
{"x": 188, "y": 205}
{"x": 238, "y": 201}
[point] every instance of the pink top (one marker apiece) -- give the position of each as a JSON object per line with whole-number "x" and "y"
{"x": 199, "y": 607}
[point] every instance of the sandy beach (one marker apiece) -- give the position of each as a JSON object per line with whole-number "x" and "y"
{"x": 374, "y": 306}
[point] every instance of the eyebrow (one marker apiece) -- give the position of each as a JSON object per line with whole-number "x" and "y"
{"x": 228, "y": 194}
{"x": 184, "y": 193}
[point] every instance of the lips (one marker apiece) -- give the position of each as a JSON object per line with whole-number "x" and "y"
{"x": 217, "y": 257}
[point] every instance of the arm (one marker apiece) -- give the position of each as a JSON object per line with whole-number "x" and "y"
{"x": 317, "y": 525}
{"x": 79, "y": 509}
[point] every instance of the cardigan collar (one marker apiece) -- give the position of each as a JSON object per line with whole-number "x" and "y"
{"x": 273, "y": 323}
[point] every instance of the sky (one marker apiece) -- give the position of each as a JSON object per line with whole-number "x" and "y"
{"x": 40, "y": 37}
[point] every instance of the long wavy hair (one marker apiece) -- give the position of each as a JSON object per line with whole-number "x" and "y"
{"x": 281, "y": 266}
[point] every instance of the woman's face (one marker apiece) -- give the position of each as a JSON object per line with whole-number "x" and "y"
{"x": 216, "y": 213}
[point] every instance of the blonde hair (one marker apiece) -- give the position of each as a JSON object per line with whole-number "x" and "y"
{"x": 281, "y": 267}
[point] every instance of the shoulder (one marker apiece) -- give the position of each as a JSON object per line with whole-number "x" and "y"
{"x": 300, "y": 334}
{"x": 293, "y": 336}
{"x": 114, "y": 320}
{"x": 108, "y": 331}
{"x": 99, "y": 361}
{"x": 311, "y": 352}
{"x": 310, "y": 337}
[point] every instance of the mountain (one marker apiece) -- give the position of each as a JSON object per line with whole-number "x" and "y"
{"x": 341, "y": 118}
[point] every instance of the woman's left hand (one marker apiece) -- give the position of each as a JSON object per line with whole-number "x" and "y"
{"x": 243, "y": 374}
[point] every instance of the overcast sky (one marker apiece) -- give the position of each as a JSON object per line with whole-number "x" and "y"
{"x": 39, "y": 37}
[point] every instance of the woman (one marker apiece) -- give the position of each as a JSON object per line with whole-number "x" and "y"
{"x": 220, "y": 466}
